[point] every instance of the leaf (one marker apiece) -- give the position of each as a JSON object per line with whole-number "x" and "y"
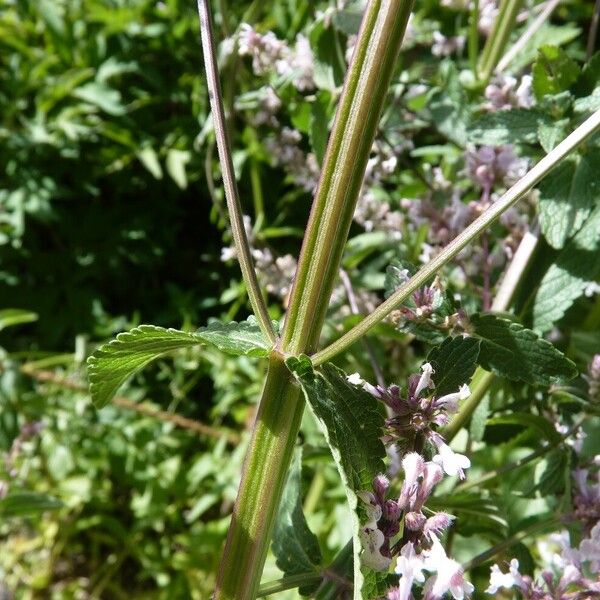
{"x": 295, "y": 547}
{"x": 454, "y": 363}
{"x": 553, "y": 71}
{"x": 566, "y": 280}
{"x": 512, "y": 351}
{"x": 27, "y": 504}
{"x": 550, "y": 134}
{"x": 544, "y": 427}
{"x": 149, "y": 159}
{"x": 550, "y": 472}
{"x": 111, "y": 364}
{"x": 102, "y": 96}
{"x": 176, "y": 162}
{"x": 449, "y": 107}
{"x": 352, "y": 423}
{"x": 567, "y": 195}
{"x": 519, "y": 125}
{"x": 319, "y": 126}
{"x": 10, "y": 317}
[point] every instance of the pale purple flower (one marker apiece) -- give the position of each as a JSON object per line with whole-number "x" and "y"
{"x": 445, "y": 46}
{"x": 413, "y": 465}
{"x": 452, "y": 462}
{"x": 589, "y": 549}
{"x": 425, "y": 381}
{"x": 372, "y": 540}
{"x": 410, "y": 567}
{"x": 505, "y": 92}
{"x": 449, "y": 576}
{"x": 500, "y": 580}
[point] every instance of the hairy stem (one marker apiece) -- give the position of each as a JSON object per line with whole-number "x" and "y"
{"x": 234, "y": 207}
{"x": 263, "y": 478}
{"x": 515, "y": 193}
{"x": 281, "y": 407}
{"x": 344, "y": 165}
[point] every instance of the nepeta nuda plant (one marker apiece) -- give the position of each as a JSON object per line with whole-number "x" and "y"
{"x": 391, "y": 443}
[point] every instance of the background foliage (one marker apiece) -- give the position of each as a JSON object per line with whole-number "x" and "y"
{"x": 111, "y": 215}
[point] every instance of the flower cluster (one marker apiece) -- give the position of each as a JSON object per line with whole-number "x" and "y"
{"x": 572, "y": 573}
{"x": 400, "y": 528}
{"x": 270, "y": 54}
{"x": 505, "y": 91}
{"x": 488, "y": 165}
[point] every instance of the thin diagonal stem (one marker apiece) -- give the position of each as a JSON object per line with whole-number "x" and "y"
{"x": 515, "y": 193}
{"x": 234, "y": 207}
{"x": 535, "y": 26}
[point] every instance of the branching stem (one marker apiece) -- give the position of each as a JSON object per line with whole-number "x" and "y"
{"x": 515, "y": 193}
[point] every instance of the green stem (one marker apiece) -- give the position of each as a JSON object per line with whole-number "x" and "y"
{"x": 473, "y": 41}
{"x": 281, "y": 408}
{"x": 288, "y": 583}
{"x": 518, "y": 463}
{"x": 365, "y": 88}
{"x": 515, "y": 193}
{"x": 535, "y": 26}
{"x": 548, "y": 524}
{"x": 496, "y": 42}
{"x": 479, "y": 386}
{"x": 263, "y": 478}
{"x": 234, "y": 207}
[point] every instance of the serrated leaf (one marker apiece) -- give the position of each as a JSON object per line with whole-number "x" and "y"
{"x": 551, "y": 134}
{"x": 111, "y": 364}
{"x": 27, "y": 504}
{"x": 512, "y": 351}
{"x": 553, "y": 71}
{"x": 352, "y": 423}
{"x": 295, "y": 546}
{"x": 516, "y": 126}
{"x": 567, "y": 196}
{"x": 454, "y": 363}
{"x": 565, "y": 281}
{"x": 544, "y": 427}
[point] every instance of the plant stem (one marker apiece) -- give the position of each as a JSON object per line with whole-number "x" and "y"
{"x": 515, "y": 193}
{"x": 511, "y": 541}
{"x": 281, "y": 407}
{"x": 263, "y": 478}
{"x": 496, "y": 42}
{"x": 518, "y": 463}
{"x": 350, "y": 142}
{"x": 234, "y": 207}
{"x": 473, "y": 41}
{"x": 591, "y": 43}
{"x": 287, "y": 583}
{"x": 527, "y": 35}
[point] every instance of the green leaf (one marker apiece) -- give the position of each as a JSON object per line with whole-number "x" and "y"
{"x": 111, "y": 364}
{"x": 319, "y": 126}
{"x": 449, "y": 106}
{"x": 149, "y": 159}
{"x": 519, "y": 125}
{"x": 512, "y": 351}
{"x": 176, "y": 162}
{"x": 567, "y": 196}
{"x": 544, "y": 427}
{"x": 550, "y": 134}
{"x": 550, "y": 472}
{"x": 295, "y": 547}
{"x": 27, "y": 504}
{"x": 553, "y": 71}
{"x": 352, "y": 422}
{"x": 454, "y": 363}
{"x": 102, "y": 96}
{"x": 565, "y": 281}
{"x": 10, "y": 317}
